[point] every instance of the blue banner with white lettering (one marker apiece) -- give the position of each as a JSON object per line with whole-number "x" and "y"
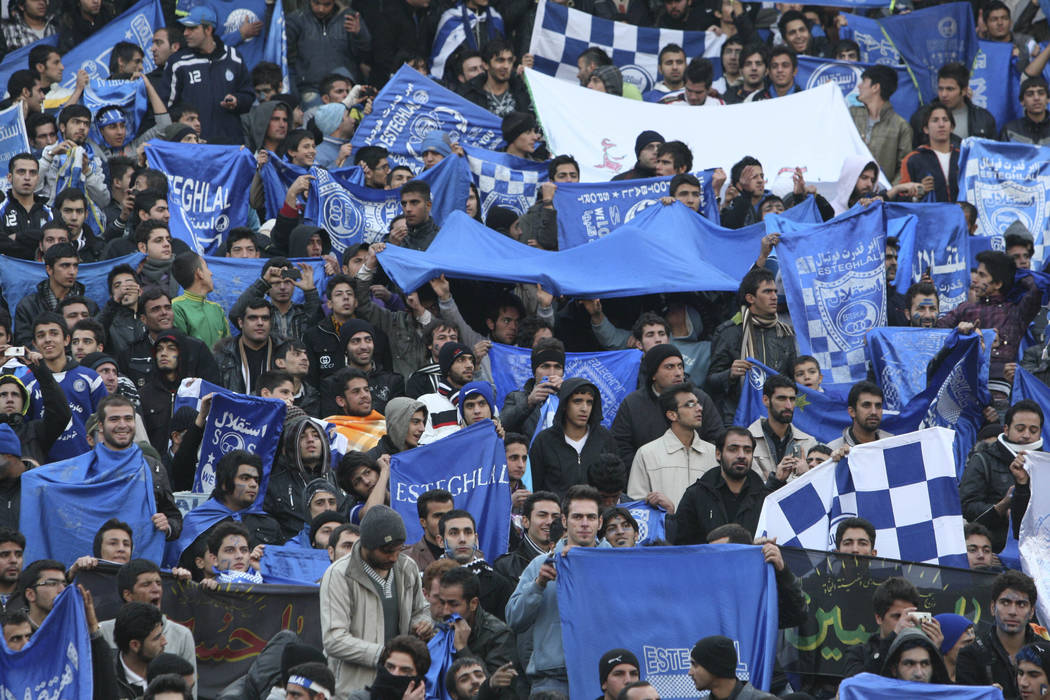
{"x": 19, "y": 60}
{"x": 504, "y": 180}
{"x": 936, "y": 241}
{"x": 13, "y": 136}
{"x": 136, "y": 25}
{"x": 589, "y": 210}
{"x": 90, "y": 489}
{"x": 238, "y": 422}
{"x": 1007, "y": 182}
{"x": 56, "y": 662}
{"x": 233, "y": 275}
{"x": 1028, "y": 386}
{"x": 834, "y": 277}
{"x": 923, "y": 41}
{"x": 995, "y": 82}
{"x": 868, "y": 686}
{"x": 615, "y": 373}
{"x": 650, "y": 521}
{"x": 410, "y": 106}
{"x": 664, "y": 617}
{"x": 814, "y": 72}
{"x": 470, "y": 463}
{"x": 209, "y": 185}
{"x": 294, "y": 563}
{"x": 129, "y": 95}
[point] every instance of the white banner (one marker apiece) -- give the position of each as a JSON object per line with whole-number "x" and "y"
{"x": 1034, "y": 540}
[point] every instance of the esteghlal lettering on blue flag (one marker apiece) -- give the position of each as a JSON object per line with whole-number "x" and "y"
{"x": 470, "y": 463}
{"x": 1028, "y": 386}
{"x": 739, "y": 601}
{"x": 410, "y": 106}
{"x": 937, "y": 241}
{"x": 238, "y": 422}
{"x": 56, "y": 662}
{"x": 614, "y": 372}
{"x": 129, "y": 95}
{"x": 588, "y": 211}
{"x": 294, "y": 563}
{"x": 835, "y": 280}
{"x": 650, "y": 521}
{"x": 91, "y": 489}
{"x": 19, "y": 60}
{"x": 989, "y": 88}
{"x": 13, "y": 136}
{"x": 868, "y": 686}
{"x": 504, "y": 180}
{"x": 210, "y": 184}
{"x": 20, "y": 277}
{"x": 233, "y": 275}
{"x": 822, "y": 415}
{"x": 1007, "y": 182}
{"x": 136, "y": 25}
{"x": 814, "y": 72}
{"x": 560, "y": 34}
{"x": 904, "y": 485}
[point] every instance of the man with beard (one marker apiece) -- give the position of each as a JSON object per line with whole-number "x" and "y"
{"x": 357, "y": 421}
{"x": 731, "y": 494}
{"x": 922, "y": 304}
{"x": 370, "y": 598}
{"x": 645, "y": 147}
{"x": 357, "y": 340}
{"x": 478, "y": 632}
{"x": 12, "y": 548}
{"x": 864, "y": 405}
{"x": 780, "y": 447}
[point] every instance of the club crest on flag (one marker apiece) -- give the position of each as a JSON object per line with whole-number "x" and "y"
{"x": 438, "y": 119}
{"x": 847, "y": 306}
{"x": 1007, "y": 201}
{"x": 843, "y": 75}
{"x": 638, "y": 76}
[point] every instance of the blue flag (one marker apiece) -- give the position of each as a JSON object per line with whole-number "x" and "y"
{"x": 1007, "y": 182}
{"x": 276, "y": 48}
{"x": 922, "y": 41}
{"x": 442, "y": 652}
{"x": 20, "y": 277}
{"x": 470, "y": 463}
{"x": 821, "y": 414}
{"x": 231, "y": 15}
{"x": 192, "y": 390}
{"x": 233, "y": 275}
{"x": 457, "y": 27}
{"x": 278, "y": 174}
{"x": 814, "y": 72}
{"x": 84, "y": 390}
{"x": 504, "y": 180}
{"x": 238, "y": 422}
{"x": 56, "y": 662}
{"x": 588, "y": 211}
{"x": 410, "y": 106}
{"x": 13, "y": 136}
{"x": 207, "y": 189}
{"x": 129, "y": 95}
{"x": 650, "y": 521}
{"x": 899, "y": 357}
{"x": 136, "y": 25}
{"x": 990, "y": 89}
{"x": 938, "y": 241}
{"x": 835, "y": 281}
{"x": 615, "y": 373}
{"x": 91, "y": 489}
{"x": 664, "y": 617}
{"x": 19, "y": 60}
{"x": 868, "y": 686}
{"x": 1028, "y": 386}
{"x": 198, "y": 520}
{"x": 294, "y": 563}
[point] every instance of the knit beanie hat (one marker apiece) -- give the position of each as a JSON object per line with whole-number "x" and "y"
{"x": 448, "y": 354}
{"x": 952, "y": 627}
{"x": 176, "y": 132}
{"x": 656, "y": 355}
{"x": 517, "y": 123}
{"x": 435, "y": 141}
{"x": 329, "y": 117}
{"x": 613, "y": 658}
{"x": 547, "y": 354}
{"x": 1038, "y": 653}
{"x": 717, "y": 655}
{"x": 9, "y": 442}
{"x": 380, "y": 527}
{"x": 644, "y": 139}
{"x": 352, "y": 327}
{"x": 611, "y": 78}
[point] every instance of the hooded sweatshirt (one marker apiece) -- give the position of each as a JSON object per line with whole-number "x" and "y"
{"x": 257, "y": 121}
{"x": 851, "y": 169}
{"x": 399, "y": 414}
{"x": 483, "y": 388}
{"x": 556, "y": 465}
{"x": 940, "y": 671}
{"x": 304, "y": 538}
{"x": 300, "y": 236}
{"x": 284, "y": 494}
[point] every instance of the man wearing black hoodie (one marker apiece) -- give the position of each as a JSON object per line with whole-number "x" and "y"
{"x": 305, "y": 455}
{"x": 562, "y": 454}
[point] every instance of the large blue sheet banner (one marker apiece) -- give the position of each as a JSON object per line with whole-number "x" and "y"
{"x": 664, "y": 618}
{"x": 136, "y": 25}
{"x": 868, "y": 686}
{"x": 294, "y": 563}
{"x": 233, "y": 275}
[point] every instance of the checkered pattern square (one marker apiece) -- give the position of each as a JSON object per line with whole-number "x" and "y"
{"x": 504, "y": 180}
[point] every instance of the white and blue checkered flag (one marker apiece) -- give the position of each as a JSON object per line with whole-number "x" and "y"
{"x": 561, "y": 34}
{"x": 904, "y": 485}
{"x": 504, "y": 180}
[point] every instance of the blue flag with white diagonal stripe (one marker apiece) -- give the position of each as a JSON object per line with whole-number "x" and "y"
{"x": 128, "y": 95}
{"x": 458, "y": 26}
{"x": 904, "y": 485}
{"x": 560, "y": 34}
{"x": 504, "y": 180}
{"x": 136, "y": 25}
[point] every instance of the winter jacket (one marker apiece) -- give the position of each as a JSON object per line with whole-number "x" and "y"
{"x": 398, "y": 26}
{"x": 639, "y": 421}
{"x": 420, "y": 237}
{"x": 352, "y": 616}
{"x": 939, "y": 670}
{"x": 555, "y": 464}
{"x": 868, "y": 656}
{"x": 979, "y": 120}
{"x": 923, "y": 161}
{"x": 776, "y": 352}
{"x": 265, "y": 671}
{"x": 231, "y": 371}
{"x": 399, "y": 412}
{"x": 986, "y": 661}
{"x": 383, "y": 385}
{"x": 985, "y": 481}
{"x": 702, "y": 508}
{"x": 540, "y": 223}
{"x": 764, "y": 461}
{"x": 491, "y": 642}
{"x": 284, "y": 494}
{"x": 474, "y": 90}
{"x": 1024, "y": 130}
{"x": 401, "y": 327}
{"x": 135, "y": 362}
{"x": 667, "y": 466}
{"x": 290, "y": 325}
{"x": 256, "y": 123}
{"x": 517, "y": 415}
{"x": 15, "y": 219}
{"x": 74, "y": 28}
{"x": 37, "y": 435}
{"x": 157, "y": 397}
{"x": 514, "y": 562}
{"x": 32, "y": 305}
{"x": 318, "y": 47}
{"x": 889, "y": 141}
{"x": 203, "y": 80}
{"x": 424, "y": 380}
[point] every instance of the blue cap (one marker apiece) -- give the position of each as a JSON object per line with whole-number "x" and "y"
{"x": 9, "y": 442}
{"x": 110, "y": 114}
{"x": 201, "y": 14}
{"x": 435, "y": 141}
{"x": 329, "y": 117}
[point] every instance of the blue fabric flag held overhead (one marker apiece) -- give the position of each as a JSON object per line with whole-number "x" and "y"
{"x": 129, "y": 95}
{"x": 615, "y": 373}
{"x": 868, "y": 686}
{"x": 19, "y": 60}
{"x": 56, "y": 662}
{"x": 91, "y": 489}
{"x": 13, "y": 136}
{"x": 587, "y": 211}
{"x": 207, "y": 189}
{"x": 233, "y": 275}
{"x": 650, "y": 521}
{"x": 277, "y": 175}
{"x": 835, "y": 281}
{"x": 294, "y": 563}
{"x": 814, "y": 72}
{"x": 504, "y": 180}
{"x": 937, "y": 240}
{"x": 410, "y": 106}
{"x": 276, "y": 48}
{"x": 1007, "y": 182}
{"x": 192, "y": 390}
{"x": 136, "y": 25}
{"x": 663, "y": 618}
{"x": 472, "y": 465}
{"x": 198, "y": 520}
{"x": 238, "y": 422}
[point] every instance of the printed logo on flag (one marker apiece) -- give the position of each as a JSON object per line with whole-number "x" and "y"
{"x": 845, "y": 76}
{"x": 1006, "y": 201}
{"x": 846, "y": 317}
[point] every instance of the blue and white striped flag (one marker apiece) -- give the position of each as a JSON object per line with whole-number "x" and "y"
{"x": 904, "y": 485}
{"x": 456, "y": 26}
{"x": 561, "y": 34}
{"x": 504, "y": 180}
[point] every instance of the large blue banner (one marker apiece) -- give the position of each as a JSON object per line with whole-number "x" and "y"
{"x": 410, "y": 106}
{"x": 13, "y": 136}
{"x": 231, "y": 15}
{"x": 472, "y": 465}
{"x": 56, "y": 663}
{"x": 91, "y": 489}
{"x": 995, "y": 82}
{"x": 835, "y": 281}
{"x": 1007, "y": 182}
{"x": 1028, "y": 386}
{"x": 935, "y": 240}
{"x": 136, "y": 25}
{"x": 129, "y": 95}
{"x": 294, "y": 563}
{"x": 663, "y": 617}
{"x": 232, "y": 275}
{"x": 238, "y": 422}
{"x": 19, "y": 60}
{"x": 504, "y": 180}
{"x": 615, "y": 373}
{"x": 588, "y": 211}
{"x": 207, "y": 189}
{"x": 814, "y": 72}
{"x": 868, "y": 686}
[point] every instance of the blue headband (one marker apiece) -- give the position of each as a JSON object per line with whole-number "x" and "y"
{"x": 310, "y": 685}
{"x": 109, "y": 115}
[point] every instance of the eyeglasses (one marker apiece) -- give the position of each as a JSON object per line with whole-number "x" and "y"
{"x": 690, "y": 404}
{"x": 50, "y": 583}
